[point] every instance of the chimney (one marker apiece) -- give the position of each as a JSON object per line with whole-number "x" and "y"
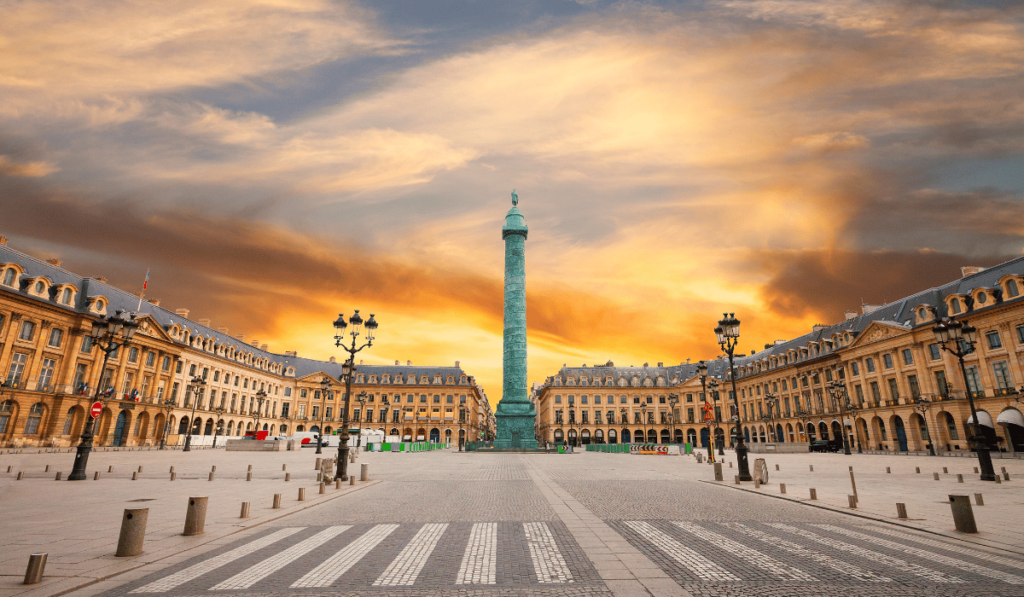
{"x": 154, "y": 302}
{"x": 290, "y": 353}
{"x": 970, "y": 270}
{"x": 645, "y": 364}
{"x": 687, "y": 361}
{"x": 457, "y": 365}
{"x": 100, "y": 279}
{"x": 850, "y": 314}
{"x": 332, "y": 360}
{"x": 255, "y": 343}
{"x": 237, "y": 336}
{"x": 182, "y": 312}
{"x": 817, "y": 327}
{"x": 223, "y": 330}
{"x": 396, "y": 362}
{"x": 408, "y": 363}
{"x": 204, "y": 322}
{"x": 52, "y": 260}
{"x": 661, "y": 364}
{"x": 752, "y": 353}
{"x": 360, "y": 362}
{"x": 263, "y": 347}
{"x": 3, "y": 240}
{"x": 869, "y": 308}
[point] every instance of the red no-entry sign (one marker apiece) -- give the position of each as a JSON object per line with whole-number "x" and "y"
{"x": 96, "y": 409}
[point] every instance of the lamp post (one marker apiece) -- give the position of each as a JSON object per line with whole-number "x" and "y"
{"x": 719, "y": 438}
{"x": 963, "y": 337}
{"x": 673, "y": 401}
{"x": 624, "y": 417}
{"x": 361, "y": 399}
{"x": 196, "y": 387}
{"x": 771, "y": 404}
{"x": 921, "y": 405}
{"x": 572, "y": 421}
{"x": 109, "y": 333}
{"x": 728, "y": 333}
{"x": 168, "y": 406}
{"x": 325, "y": 388}
{"x": 841, "y": 400}
{"x": 220, "y": 410}
{"x": 261, "y": 397}
{"x": 462, "y": 419}
{"x": 355, "y": 326}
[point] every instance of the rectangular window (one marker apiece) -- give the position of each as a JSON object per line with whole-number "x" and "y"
{"x": 894, "y": 389}
{"x": 940, "y": 382}
{"x": 287, "y": 392}
{"x": 870, "y": 362}
{"x": 876, "y": 394}
{"x": 316, "y": 412}
{"x": 689, "y": 397}
{"x": 284, "y": 409}
{"x": 192, "y": 370}
{"x": 87, "y": 344}
{"x": 783, "y": 385}
{"x": 785, "y": 401}
{"x": 597, "y": 400}
{"x": 177, "y": 368}
{"x": 854, "y": 367}
{"x": 133, "y": 354}
{"x": 994, "y": 341}
{"x": 583, "y": 399}
{"x": 174, "y": 391}
{"x": 302, "y": 410}
{"x": 129, "y": 377}
{"x": 56, "y": 336}
{"x": 1020, "y": 334}
{"x": 1002, "y": 373}
{"x": 887, "y": 359}
{"x": 216, "y": 376}
{"x": 908, "y": 357}
{"x": 79, "y": 383}
{"x": 972, "y": 380}
{"x": 302, "y": 393}
{"x": 151, "y": 359}
{"x": 28, "y": 330}
{"x": 934, "y": 351}
{"x": 558, "y": 399}
{"x": 145, "y": 386}
{"x": 17, "y": 368}
{"x": 160, "y": 391}
{"x": 585, "y": 418}
{"x": 46, "y": 373}
{"x": 915, "y": 389}
{"x": 166, "y": 364}
{"x": 437, "y": 397}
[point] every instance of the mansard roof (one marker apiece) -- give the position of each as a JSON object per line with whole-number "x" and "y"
{"x": 304, "y": 367}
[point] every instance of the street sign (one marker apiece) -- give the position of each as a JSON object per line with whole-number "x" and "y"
{"x": 96, "y": 409}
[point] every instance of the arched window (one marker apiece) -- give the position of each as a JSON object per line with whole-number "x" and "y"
{"x": 9, "y": 277}
{"x": 69, "y": 421}
{"x": 183, "y": 426}
{"x": 1011, "y": 288}
{"x": 66, "y": 296}
{"x": 35, "y": 414}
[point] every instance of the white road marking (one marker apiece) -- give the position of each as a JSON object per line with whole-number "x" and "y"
{"x": 1006, "y": 577}
{"x": 333, "y": 567}
{"x": 690, "y": 559}
{"x": 404, "y": 569}
{"x": 548, "y": 562}
{"x": 257, "y": 572}
{"x": 829, "y": 562}
{"x": 874, "y": 556}
{"x": 479, "y": 563}
{"x": 192, "y": 572}
{"x": 945, "y": 546}
{"x": 762, "y": 561}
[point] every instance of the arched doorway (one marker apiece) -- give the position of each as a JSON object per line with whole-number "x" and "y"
{"x": 719, "y": 437}
{"x": 448, "y": 436}
{"x": 208, "y": 430}
{"x": 572, "y": 437}
{"x": 435, "y": 435}
{"x": 585, "y": 436}
{"x": 823, "y": 430}
{"x": 559, "y": 436}
{"x": 679, "y": 436}
{"x": 120, "y": 435}
{"x": 599, "y": 436}
{"x": 159, "y": 426}
{"x": 811, "y": 434}
{"x": 779, "y": 436}
{"x": 1012, "y": 422}
{"x": 746, "y": 435}
{"x": 183, "y": 426}
{"x": 691, "y": 437}
{"x": 862, "y": 432}
{"x": 612, "y": 437}
{"x": 142, "y": 426}
{"x": 625, "y": 436}
{"x": 666, "y": 436}
{"x": 407, "y": 434}
{"x": 901, "y": 433}
{"x": 705, "y": 437}
{"x": 421, "y": 434}
{"x": 837, "y": 431}
{"x": 918, "y": 433}
{"x": 652, "y": 436}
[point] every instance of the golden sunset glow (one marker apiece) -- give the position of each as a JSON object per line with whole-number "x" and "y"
{"x": 277, "y": 163}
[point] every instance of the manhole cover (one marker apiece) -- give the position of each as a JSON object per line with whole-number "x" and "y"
{"x": 144, "y": 500}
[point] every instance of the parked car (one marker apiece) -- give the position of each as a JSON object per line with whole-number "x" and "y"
{"x": 822, "y": 445}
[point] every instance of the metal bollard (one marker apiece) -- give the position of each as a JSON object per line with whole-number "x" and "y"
{"x": 319, "y": 476}
{"x": 782, "y": 488}
{"x": 248, "y": 476}
{"x": 172, "y": 470}
{"x": 853, "y": 501}
{"x": 935, "y": 476}
{"x": 211, "y": 477}
{"x": 812, "y": 468}
{"x": 945, "y": 470}
{"x": 245, "y": 510}
{"x": 47, "y": 469}
{"x": 901, "y": 510}
{"x": 730, "y": 464}
{"x": 718, "y": 471}
{"x": 287, "y": 476}
{"x": 976, "y": 470}
{"x": 814, "y": 493}
{"x": 302, "y": 494}
{"x": 195, "y": 516}
{"x": 323, "y": 488}
{"x": 337, "y": 483}
{"x": 22, "y": 474}
{"x": 213, "y": 468}
{"x": 978, "y": 500}
{"x": 1002, "y": 469}
{"x": 364, "y": 472}
{"x": 888, "y": 471}
{"x": 277, "y": 501}
{"x": 34, "y": 571}
{"x": 316, "y": 466}
{"x": 96, "y": 476}
{"x": 959, "y": 478}
{"x": 110, "y": 469}
{"x": 173, "y": 475}
{"x": 963, "y": 514}
{"x": 853, "y": 483}
{"x": 1006, "y": 476}
{"x": 352, "y": 458}
{"x": 140, "y": 468}
{"x": 284, "y": 467}
{"x": 9, "y": 467}
{"x": 135, "y": 476}
{"x": 133, "y": 532}
{"x": 917, "y": 469}
{"x": 776, "y": 467}
{"x": 999, "y": 480}
{"x": 352, "y": 479}
{"x": 250, "y": 468}
{"x": 58, "y": 477}
{"x": 737, "y": 481}
{"x": 757, "y": 482}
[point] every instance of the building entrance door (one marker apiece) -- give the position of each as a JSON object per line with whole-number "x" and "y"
{"x": 901, "y": 434}
{"x": 119, "y": 429}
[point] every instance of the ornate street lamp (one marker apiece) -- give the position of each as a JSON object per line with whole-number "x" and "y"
{"x": 728, "y": 333}
{"x": 719, "y": 437}
{"x": 462, "y": 418}
{"x": 325, "y": 390}
{"x": 572, "y": 421}
{"x": 109, "y": 333}
{"x": 261, "y": 397}
{"x": 196, "y": 387}
{"x": 673, "y": 402}
{"x": 354, "y": 326}
{"x": 921, "y": 405}
{"x": 841, "y": 400}
{"x": 168, "y": 406}
{"x": 361, "y": 399}
{"x": 220, "y": 410}
{"x": 963, "y": 336}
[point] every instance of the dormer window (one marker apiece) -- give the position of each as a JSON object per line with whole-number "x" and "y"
{"x": 954, "y": 306}
{"x": 981, "y": 298}
{"x": 40, "y": 287}
{"x": 9, "y": 275}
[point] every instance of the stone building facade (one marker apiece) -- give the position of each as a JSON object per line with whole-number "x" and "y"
{"x": 906, "y": 393}
{"x": 51, "y": 372}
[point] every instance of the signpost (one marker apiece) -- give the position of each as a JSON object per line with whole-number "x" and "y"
{"x": 96, "y": 410}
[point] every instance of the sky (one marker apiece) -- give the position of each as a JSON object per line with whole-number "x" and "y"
{"x": 275, "y": 163}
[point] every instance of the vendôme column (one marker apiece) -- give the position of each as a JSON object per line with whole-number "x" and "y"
{"x": 515, "y": 416}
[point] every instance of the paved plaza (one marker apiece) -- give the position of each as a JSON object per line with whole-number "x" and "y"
{"x": 445, "y": 523}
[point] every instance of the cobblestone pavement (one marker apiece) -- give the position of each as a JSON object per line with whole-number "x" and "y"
{"x": 588, "y": 524}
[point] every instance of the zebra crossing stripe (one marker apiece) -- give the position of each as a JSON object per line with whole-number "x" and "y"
{"x": 827, "y": 561}
{"x": 762, "y": 561}
{"x": 192, "y": 572}
{"x": 333, "y": 567}
{"x": 548, "y": 562}
{"x": 1006, "y": 577}
{"x": 874, "y": 556}
{"x": 704, "y": 568}
{"x": 257, "y": 572}
{"x": 479, "y": 563}
{"x": 404, "y": 569}
{"x": 939, "y": 544}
